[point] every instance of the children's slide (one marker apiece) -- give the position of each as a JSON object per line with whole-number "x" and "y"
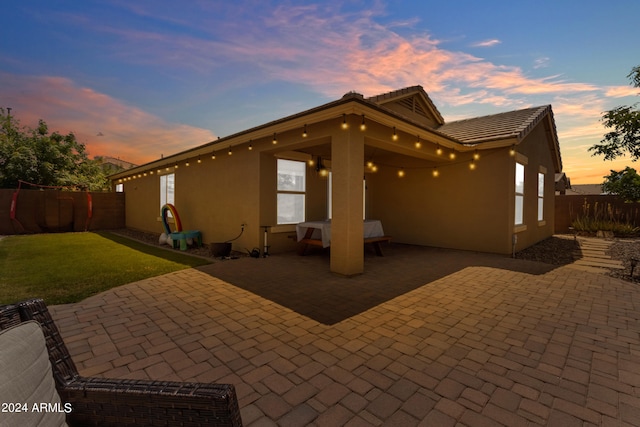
{"x": 178, "y": 235}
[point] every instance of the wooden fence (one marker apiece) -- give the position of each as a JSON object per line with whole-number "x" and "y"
{"x": 45, "y": 211}
{"x": 569, "y": 208}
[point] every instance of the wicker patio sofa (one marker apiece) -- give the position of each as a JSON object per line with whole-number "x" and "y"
{"x": 112, "y": 402}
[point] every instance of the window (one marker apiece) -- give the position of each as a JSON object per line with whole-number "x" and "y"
{"x": 519, "y": 217}
{"x": 167, "y": 190}
{"x": 119, "y": 188}
{"x": 540, "y": 196}
{"x": 291, "y": 191}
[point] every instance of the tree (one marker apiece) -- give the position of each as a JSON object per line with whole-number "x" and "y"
{"x": 624, "y": 183}
{"x": 38, "y": 157}
{"x": 625, "y": 124}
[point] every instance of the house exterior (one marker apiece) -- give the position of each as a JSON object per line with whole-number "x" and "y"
{"x": 482, "y": 184}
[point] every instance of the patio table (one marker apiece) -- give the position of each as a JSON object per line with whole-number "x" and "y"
{"x": 318, "y": 233}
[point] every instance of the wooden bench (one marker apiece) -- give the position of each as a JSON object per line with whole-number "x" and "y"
{"x": 376, "y": 241}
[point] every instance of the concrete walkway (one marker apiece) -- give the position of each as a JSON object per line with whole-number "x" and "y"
{"x": 480, "y": 346}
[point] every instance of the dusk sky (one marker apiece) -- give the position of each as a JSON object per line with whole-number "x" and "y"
{"x": 140, "y": 79}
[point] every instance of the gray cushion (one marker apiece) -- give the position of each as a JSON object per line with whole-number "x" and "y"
{"x": 26, "y": 379}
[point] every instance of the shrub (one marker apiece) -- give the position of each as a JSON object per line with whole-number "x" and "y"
{"x": 604, "y": 217}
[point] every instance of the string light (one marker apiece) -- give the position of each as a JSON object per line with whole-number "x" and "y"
{"x": 176, "y": 166}
{"x": 213, "y": 156}
{"x": 400, "y": 173}
{"x": 438, "y": 150}
{"x": 363, "y": 126}
{"x": 304, "y": 133}
{"x": 472, "y": 165}
{"x": 512, "y": 151}
{"x": 199, "y": 159}
{"x": 435, "y": 172}
{"x": 418, "y": 144}
{"x": 345, "y": 125}
{"x": 452, "y": 154}
{"x": 230, "y": 152}
{"x": 395, "y": 135}
{"x": 187, "y": 163}
{"x": 476, "y": 155}
{"x": 274, "y": 141}
{"x": 250, "y": 145}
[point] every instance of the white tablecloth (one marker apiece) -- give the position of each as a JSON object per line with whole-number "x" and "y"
{"x": 322, "y": 230}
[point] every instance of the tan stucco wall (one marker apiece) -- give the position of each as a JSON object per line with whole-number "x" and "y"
{"x": 459, "y": 209}
{"x": 537, "y": 153}
{"x": 215, "y": 197}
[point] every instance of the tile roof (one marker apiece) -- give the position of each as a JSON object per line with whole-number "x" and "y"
{"x": 512, "y": 124}
{"x": 404, "y": 92}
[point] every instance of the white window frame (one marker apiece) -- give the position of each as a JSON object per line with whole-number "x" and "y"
{"x": 119, "y": 188}
{"x": 519, "y": 193}
{"x": 283, "y": 191}
{"x": 168, "y": 190}
{"x": 542, "y": 172}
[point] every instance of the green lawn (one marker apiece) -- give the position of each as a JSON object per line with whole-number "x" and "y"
{"x": 68, "y": 267}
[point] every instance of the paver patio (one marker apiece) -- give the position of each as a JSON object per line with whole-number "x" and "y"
{"x": 487, "y": 341}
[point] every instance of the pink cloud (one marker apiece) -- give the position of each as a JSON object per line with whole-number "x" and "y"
{"x": 127, "y": 132}
{"x": 622, "y": 91}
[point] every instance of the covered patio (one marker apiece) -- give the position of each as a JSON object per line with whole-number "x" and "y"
{"x": 458, "y": 338}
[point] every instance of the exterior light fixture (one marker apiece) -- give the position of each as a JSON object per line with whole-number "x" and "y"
{"x": 363, "y": 126}
{"x": 213, "y": 156}
{"x": 452, "y": 154}
{"x": 374, "y": 168}
{"x": 187, "y": 163}
{"x": 345, "y": 125}
{"x": 199, "y": 159}
{"x": 395, "y": 135}
{"x": 476, "y": 155}
{"x": 150, "y": 172}
{"x": 230, "y": 152}
{"x": 435, "y": 172}
{"x": 167, "y": 169}
{"x": 304, "y": 132}
{"x": 418, "y": 144}
{"x": 472, "y": 165}
{"x": 369, "y": 164}
{"x": 438, "y": 150}
{"x": 320, "y": 168}
{"x": 401, "y": 173}
{"x": 176, "y": 166}
{"x": 274, "y": 141}
{"x": 512, "y": 151}
{"x": 250, "y": 145}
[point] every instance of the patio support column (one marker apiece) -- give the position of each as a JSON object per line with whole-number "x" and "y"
{"x": 347, "y": 170}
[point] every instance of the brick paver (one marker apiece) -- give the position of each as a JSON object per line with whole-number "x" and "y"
{"x": 483, "y": 343}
